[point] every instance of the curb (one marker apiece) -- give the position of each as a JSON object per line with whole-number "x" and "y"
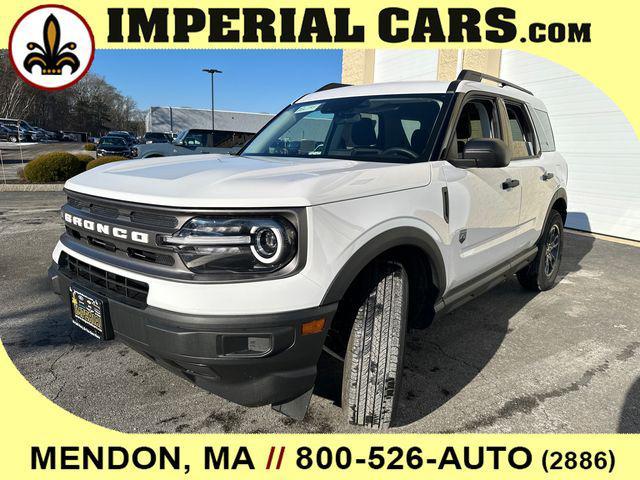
{"x": 31, "y": 187}
{"x": 607, "y": 238}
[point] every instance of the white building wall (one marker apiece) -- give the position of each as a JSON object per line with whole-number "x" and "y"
{"x": 405, "y": 65}
{"x": 594, "y": 136}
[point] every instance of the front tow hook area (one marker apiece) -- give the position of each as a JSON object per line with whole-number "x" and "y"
{"x": 53, "y": 278}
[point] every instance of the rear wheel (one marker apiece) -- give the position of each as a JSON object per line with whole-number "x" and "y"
{"x": 542, "y": 272}
{"x": 373, "y": 361}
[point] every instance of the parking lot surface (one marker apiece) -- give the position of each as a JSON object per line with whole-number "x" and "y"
{"x": 567, "y": 360}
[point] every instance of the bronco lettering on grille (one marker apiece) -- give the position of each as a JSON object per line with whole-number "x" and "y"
{"x": 106, "y": 229}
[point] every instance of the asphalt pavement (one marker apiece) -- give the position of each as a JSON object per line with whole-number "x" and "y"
{"x": 565, "y": 361}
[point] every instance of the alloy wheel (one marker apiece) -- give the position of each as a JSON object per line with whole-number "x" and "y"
{"x": 552, "y": 251}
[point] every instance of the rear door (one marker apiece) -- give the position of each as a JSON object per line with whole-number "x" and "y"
{"x": 483, "y": 214}
{"x": 532, "y": 166}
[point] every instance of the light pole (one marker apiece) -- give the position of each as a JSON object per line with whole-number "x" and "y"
{"x": 212, "y": 72}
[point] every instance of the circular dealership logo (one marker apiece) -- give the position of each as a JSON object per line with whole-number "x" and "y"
{"x": 51, "y": 47}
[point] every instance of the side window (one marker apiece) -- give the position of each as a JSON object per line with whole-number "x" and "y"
{"x": 409, "y": 127}
{"x": 522, "y": 137}
{"x": 195, "y": 139}
{"x": 478, "y": 119}
{"x": 543, "y": 127}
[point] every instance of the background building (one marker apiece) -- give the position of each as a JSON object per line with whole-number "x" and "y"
{"x": 176, "y": 119}
{"x": 600, "y": 145}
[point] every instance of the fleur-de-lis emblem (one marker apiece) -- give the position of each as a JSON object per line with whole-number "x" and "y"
{"x": 51, "y": 57}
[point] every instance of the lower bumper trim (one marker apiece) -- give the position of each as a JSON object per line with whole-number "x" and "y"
{"x": 196, "y": 347}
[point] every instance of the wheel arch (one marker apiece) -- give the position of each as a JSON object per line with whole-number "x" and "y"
{"x": 400, "y": 242}
{"x": 558, "y": 202}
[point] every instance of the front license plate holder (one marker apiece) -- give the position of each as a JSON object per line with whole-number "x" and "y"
{"x": 90, "y": 312}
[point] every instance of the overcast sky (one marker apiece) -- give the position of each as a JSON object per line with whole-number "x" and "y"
{"x": 252, "y": 80}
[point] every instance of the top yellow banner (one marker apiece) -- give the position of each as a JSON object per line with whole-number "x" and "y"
{"x": 334, "y": 24}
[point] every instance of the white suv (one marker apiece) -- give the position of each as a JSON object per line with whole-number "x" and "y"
{"x": 357, "y": 212}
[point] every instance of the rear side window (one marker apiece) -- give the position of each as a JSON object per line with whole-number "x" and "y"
{"x": 545, "y": 132}
{"x": 522, "y": 137}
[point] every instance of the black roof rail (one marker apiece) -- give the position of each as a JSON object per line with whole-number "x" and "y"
{"x": 474, "y": 76}
{"x": 331, "y": 86}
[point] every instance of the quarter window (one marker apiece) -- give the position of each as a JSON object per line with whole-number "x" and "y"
{"x": 543, "y": 127}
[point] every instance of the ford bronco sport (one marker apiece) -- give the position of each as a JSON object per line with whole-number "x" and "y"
{"x": 357, "y": 212}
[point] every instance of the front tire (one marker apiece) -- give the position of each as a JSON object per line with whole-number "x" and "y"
{"x": 542, "y": 272}
{"x": 373, "y": 362}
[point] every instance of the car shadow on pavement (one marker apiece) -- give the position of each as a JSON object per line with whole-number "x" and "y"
{"x": 444, "y": 358}
{"x": 629, "y": 421}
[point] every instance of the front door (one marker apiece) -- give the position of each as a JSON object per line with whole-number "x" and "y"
{"x": 484, "y": 210}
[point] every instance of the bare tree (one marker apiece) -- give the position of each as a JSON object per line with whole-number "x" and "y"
{"x": 15, "y": 98}
{"x": 92, "y": 105}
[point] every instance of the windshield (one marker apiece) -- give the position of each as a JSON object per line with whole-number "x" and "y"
{"x": 394, "y": 128}
{"x": 156, "y": 135}
{"x": 112, "y": 142}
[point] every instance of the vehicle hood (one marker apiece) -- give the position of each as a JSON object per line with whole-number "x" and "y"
{"x": 227, "y": 181}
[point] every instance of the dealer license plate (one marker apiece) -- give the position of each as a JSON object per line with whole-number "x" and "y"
{"x": 89, "y": 312}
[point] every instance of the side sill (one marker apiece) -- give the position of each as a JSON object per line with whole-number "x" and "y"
{"x": 484, "y": 282}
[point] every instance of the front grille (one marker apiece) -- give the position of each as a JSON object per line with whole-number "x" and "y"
{"x": 109, "y": 246}
{"x": 109, "y": 284}
{"x": 108, "y": 212}
{"x": 79, "y": 204}
{"x": 154, "y": 220}
{"x": 128, "y": 214}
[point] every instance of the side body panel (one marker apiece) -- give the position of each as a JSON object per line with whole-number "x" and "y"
{"x": 483, "y": 219}
{"x": 538, "y": 189}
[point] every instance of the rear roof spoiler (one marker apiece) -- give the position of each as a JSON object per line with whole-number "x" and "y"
{"x": 474, "y": 76}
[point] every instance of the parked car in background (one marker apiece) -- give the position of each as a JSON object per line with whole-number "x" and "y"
{"x": 130, "y": 139}
{"x": 157, "y": 137}
{"x": 30, "y": 133}
{"x": 45, "y": 135}
{"x": 194, "y": 141}
{"x": 11, "y": 134}
{"x": 113, "y": 145}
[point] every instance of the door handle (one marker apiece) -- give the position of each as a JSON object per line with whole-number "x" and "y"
{"x": 509, "y": 183}
{"x": 547, "y": 176}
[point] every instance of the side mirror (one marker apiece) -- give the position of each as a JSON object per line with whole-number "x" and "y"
{"x": 484, "y": 153}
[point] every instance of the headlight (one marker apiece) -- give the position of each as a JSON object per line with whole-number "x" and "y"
{"x": 209, "y": 245}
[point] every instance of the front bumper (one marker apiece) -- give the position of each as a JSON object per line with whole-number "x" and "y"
{"x": 200, "y": 348}
{"x": 105, "y": 153}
